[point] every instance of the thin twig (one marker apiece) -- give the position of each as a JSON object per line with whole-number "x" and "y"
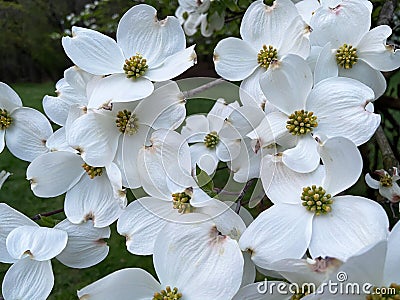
{"x": 389, "y": 159}
{"x": 47, "y": 214}
{"x": 242, "y": 193}
{"x": 202, "y": 88}
{"x": 387, "y": 12}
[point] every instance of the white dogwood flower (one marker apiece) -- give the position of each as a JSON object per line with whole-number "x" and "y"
{"x": 146, "y": 50}
{"x": 387, "y": 184}
{"x": 307, "y": 214}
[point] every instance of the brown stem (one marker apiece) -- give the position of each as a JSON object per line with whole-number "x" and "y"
{"x": 47, "y": 214}
{"x": 202, "y": 88}
{"x": 242, "y": 193}
{"x": 389, "y": 159}
{"x": 387, "y": 12}
{"x": 388, "y": 102}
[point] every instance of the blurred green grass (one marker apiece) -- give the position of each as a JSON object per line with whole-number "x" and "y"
{"x": 16, "y": 192}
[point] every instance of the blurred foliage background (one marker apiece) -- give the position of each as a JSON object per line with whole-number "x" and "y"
{"x": 32, "y": 60}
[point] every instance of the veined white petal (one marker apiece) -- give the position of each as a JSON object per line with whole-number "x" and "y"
{"x": 249, "y": 270}
{"x": 142, "y": 221}
{"x": 95, "y": 135}
{"x": 93, "y": 199}
{"x": 39, "y": 243}
{"x": 54, "y": 173}
{"x": 326, "y": 65}
{"x": 374, "y": 51}
{"x": 307, "y": 9}
{"x": 235, "y": 59}
{"x": 57, "y": 108}
{"x": 173, "y": 65}
{"x": 227, "y": 150}
{"x": 392, "y": 263}
{"x": 78, "y": 79}
{"x": 287, "y": 83}
{"x": 266, "y": 25}
{"x": 10, "y": 219}
{"x": 28, "y": 279}
{"x": 200, "y": 198}
{"x": 2, "y": 140}
{"x": 303, "y": 158}
{"x": 58, "y": 141}
{"x": 364, "y": 73}
{"x": 354, "y": 223}
{"x": 283, "y": 185}
{"x": 196, "y": 128}
{"x": 119, "y": 88}
{"x": 338, "y": 24}
{"x": 204, "y": 157}
{"x": 295, "y": 39}
{"x": 344, "y": 99}
{"x": 115, "y": 177}
{"x": 219, "y": 113}
{"x": 9, "y": 99}
{"x": 122, "y": 284}
{"x": 343, "y": 160}
{"x": 93, "y": 52}
{"x": 250, "y": 92}
{"x": 183, "y": 245}
{"x": 282, "y": 231}
{"x": 139, "y": 31}
{"x": 372, "y": 183}
{"x": 26, "y": 137}
{"x": 247, "y": 165}
{"x": 85, "y": 246}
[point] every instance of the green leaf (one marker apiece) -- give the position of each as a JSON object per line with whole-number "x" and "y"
{"x": 47, "y": 221}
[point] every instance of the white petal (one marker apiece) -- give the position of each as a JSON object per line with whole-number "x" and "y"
{"x": 196, "y": 128}
{"x": 342, "y": 160}
{"x": 170, "y": 104}
{"x": 282, "y": 184}
{"x": 287, "y": 84}
{"x": 282, "y": 231}
{"x": 93, "y": 52}
{"x": 200, "y": 198}
{"x": 10, "y": 219}
{"x": 235, "y": 59}
{"x": 207, "y": 248}
{"x": 354, "y": 223}
{"x": 227, "y": 150}
{"x": 119, "y": 88}
{"x": 344, "y": 99}
{"x": 255, "y": 291}
{"x": 9, "y": 99}
{"x": 39, "y": 243}
{"x": 173, "y": 65}
{"x": 54, "y": 173}
{"x": 374, "y": 51}
{"x": 264, "y": 24}
{"x": 307, "y": 9}
{"x": 58, "y": 141}
{"x": 26, "y": 137}
{"x": 364, "y": 73}
{"x": 93, "y": 199}
{"x": 303, "y": 158}
{"x": 372, "y": 183}
{"x": 250, "y": 91}
{"x": 139, "y": 31}
{"x": 2, "y": 140}
{"x": 391, "y": 270}
{"x": 96, "y": 137}
{"x": 122, "y": 284}
{"x": 219, "y": 113}
{"x": 85, "y": 247}
{"x": 296, "y": 39}
{"x": 249, "y": 270}
{"x": 142, "y": 221}
{"x": 338, "y": 25}
{"x": 28, "y": 279}
{"x": 326, "y": 65}
{"x": 204, "y": 157}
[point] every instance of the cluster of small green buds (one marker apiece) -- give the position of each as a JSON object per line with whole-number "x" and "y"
{"x": 386, "y": 180}
{"x": 5, "y": 119}
{"x": 92, "y": 171}
{"x": 127, "y": 122}
{"x": 316, "y": 200}
{"x": 180, "y": 202}
{"x": 385, "y": 293}
{"x": 168, "y": 294}
{"x": 301, "y": 122}
{"x": 346, "y": 56}
{"x": 267, "y": 55}
{"x": 211, "y": 140}
{"x": 135, "y": 66}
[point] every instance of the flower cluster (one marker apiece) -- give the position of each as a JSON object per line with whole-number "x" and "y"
{"x": 309, "y": 73}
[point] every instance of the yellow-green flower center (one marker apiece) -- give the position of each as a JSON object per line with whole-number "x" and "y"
{"x": 127, "y": 122}
{"x": 211, "y": 140}
{"x": 386, "y": 180}
{"x": 168, "y": 294}
{"x": 385, "y": 293}
{"x": 301, "y": 122}
{"x": 267, "y": 55}
{"x": 92, "y": 171}
{"x": 135, "y": 66}
{"x": 346, "y": 56}
{"x": 304, "y": 290}
{"x": 5, "y": 119}
{"x": 315, "y": 200}
{"x": 181, "y": 202}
